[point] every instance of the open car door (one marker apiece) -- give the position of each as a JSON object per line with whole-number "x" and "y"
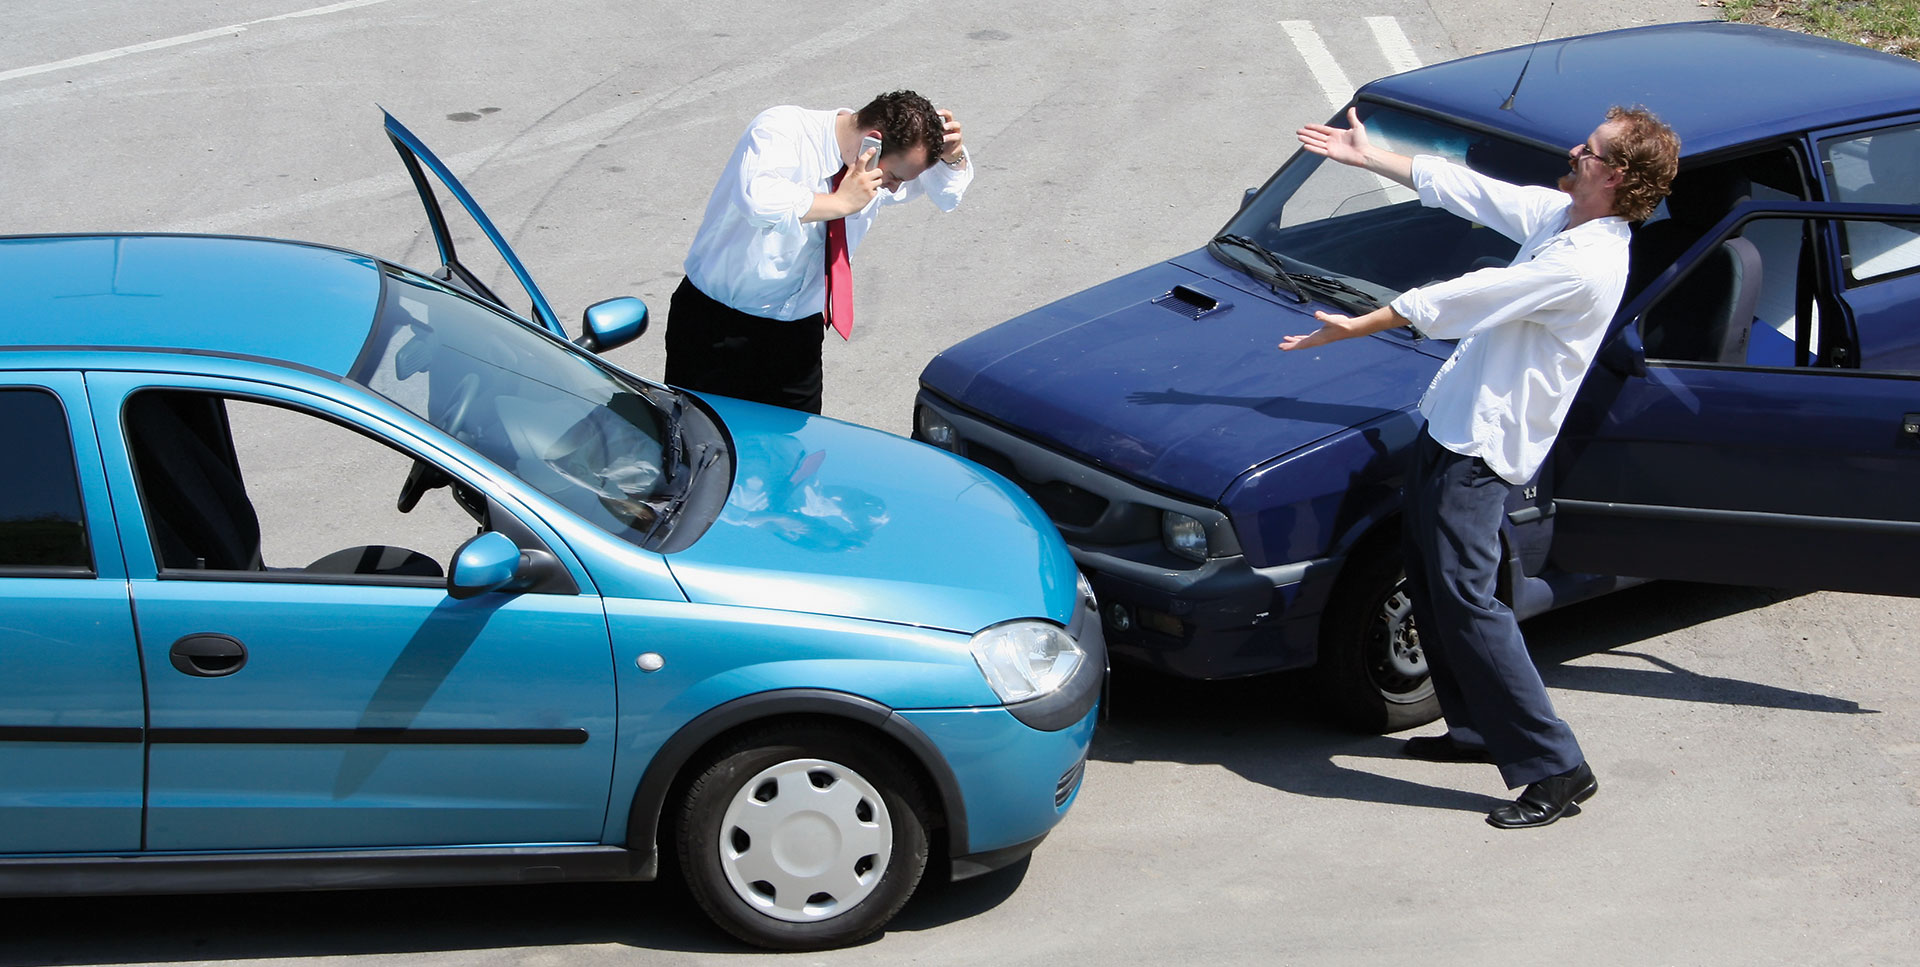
{"x": 1775, "y": 443}
{"x": 420, "y": 160}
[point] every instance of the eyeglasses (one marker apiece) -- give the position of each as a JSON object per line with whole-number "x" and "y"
{"x": 1586, "y": 151}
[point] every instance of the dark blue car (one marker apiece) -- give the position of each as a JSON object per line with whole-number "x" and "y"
{"x": 1753, "y": 419}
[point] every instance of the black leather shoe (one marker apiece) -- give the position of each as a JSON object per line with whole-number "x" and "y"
{"x": 1442, "y": 748}
{"x": 1547, "y": 800}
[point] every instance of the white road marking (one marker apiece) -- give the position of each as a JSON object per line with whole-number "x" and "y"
{"x": 1393, "y": 43}
{"x": 1326, "y": 71}
{"x": 165, "y": 42}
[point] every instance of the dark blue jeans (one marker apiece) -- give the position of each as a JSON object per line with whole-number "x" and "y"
{"x": 1488, "y": 687}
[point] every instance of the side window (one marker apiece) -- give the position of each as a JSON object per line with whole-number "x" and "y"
{"x": 41, "y": 525}
{"x": 1757, "y": 299}
{"x": 1882, "y": 168}
{"x": 1741, "y": 302}
{"x": 230, "y": 484}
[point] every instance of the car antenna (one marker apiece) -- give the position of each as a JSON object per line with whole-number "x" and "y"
{"x": 1507, "y": 105}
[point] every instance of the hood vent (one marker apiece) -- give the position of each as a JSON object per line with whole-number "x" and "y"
{"x": 1191, "y": 303}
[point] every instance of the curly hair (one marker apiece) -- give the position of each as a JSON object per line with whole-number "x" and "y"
{"x": 904, "y": 119}
{"x": 1647, "y": 152}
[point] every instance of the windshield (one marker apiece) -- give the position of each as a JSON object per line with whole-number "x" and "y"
{"x": 569, "y": 427}
{"x": 1325, "y": 218}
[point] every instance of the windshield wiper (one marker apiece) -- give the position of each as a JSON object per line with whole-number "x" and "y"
{"x": 1327, "y": 283}
{"x": 674, "y": 444}
{"x": 670, "y": 508}
{"x": 1267, "y": 258}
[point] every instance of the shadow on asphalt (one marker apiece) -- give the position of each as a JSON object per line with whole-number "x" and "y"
{"x": 260, "y": 926}
{"x": 1265, "y": 729}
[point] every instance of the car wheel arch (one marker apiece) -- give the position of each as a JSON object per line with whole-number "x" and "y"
{"x": 681, "y": 757}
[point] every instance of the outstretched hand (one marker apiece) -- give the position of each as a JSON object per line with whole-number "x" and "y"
{"x": 1346, "y": 145}
{"x": 1333, "y": 326}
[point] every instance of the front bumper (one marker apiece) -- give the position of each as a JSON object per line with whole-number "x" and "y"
{"x": 1225, "y": 620}
{"x": 1221, "y": 619}
{"x": 1016, "y": 783}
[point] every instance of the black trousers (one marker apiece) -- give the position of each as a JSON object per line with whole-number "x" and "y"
{"x": 715, "y": 348}
{"x": 1488, "y": 687}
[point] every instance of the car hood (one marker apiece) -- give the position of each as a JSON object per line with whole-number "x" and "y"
{"x": 1180, "y": 403}
{"x": 830, "y": 518}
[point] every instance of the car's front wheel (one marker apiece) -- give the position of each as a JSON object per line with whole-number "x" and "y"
{"x": 803, "y": 838}
{"x": 1372, "y": 672}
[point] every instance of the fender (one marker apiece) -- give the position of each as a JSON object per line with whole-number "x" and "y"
{"x": 650, "y": 799}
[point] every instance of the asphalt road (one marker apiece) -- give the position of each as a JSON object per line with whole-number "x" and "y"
{"x": 1757, "y": 749}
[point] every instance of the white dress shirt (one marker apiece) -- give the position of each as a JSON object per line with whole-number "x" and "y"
{"x": 752, "y": 251}
{"x": 1527, "y": 332}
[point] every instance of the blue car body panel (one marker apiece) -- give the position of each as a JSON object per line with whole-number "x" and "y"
{"x": 69, "y": 668}
{"x": 1012, "y": 783}
{"x": 1786, "y": 82}
{"x": 1184, "y": 404}
{"x": 813, "y": 525}
{"x": 300, "y": 304}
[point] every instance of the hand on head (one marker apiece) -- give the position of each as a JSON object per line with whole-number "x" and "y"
{"x": 950, "y": 148}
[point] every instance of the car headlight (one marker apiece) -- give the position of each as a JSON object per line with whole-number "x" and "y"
{"x": 1026, "y": 659}
{"x": 1183, "y": 535}
{"x": 933, "y": 428}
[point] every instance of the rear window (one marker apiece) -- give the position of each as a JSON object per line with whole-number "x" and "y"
{"x": 40, "y": 520}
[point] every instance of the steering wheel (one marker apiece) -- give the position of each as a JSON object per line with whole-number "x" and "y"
{"x": 423, "y": 477}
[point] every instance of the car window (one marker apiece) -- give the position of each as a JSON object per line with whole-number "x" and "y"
{"x": 1326, "y": 218}
{"x": 40, "y": 512}
{"x": 1752, "y": 300}
{"x": 234, "y": 484}
{"x": 1881, "y": 168}
{"x": 556, "y": 418}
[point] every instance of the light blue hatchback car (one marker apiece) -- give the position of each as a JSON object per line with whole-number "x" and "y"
{"x": 603, "y": 619}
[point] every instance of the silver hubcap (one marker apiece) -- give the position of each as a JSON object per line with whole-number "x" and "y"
{"x": 1403, "y": 640}
{"x": 805, "y": 840}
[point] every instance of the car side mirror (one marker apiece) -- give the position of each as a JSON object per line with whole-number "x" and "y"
{"x": 486, "y": 562}
{"x": 612, "y": 324}
{"x": 1247, "y": 199}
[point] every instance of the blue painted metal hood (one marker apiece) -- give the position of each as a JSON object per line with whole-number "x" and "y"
{"x": 825, "y": 517}
{"x": 1185, "y": 405}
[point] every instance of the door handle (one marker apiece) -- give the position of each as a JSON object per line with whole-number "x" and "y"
{"x": 208, "y": 655}
{"x": 1910, "y": 424}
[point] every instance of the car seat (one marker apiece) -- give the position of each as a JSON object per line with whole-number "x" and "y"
{"x": 197, "y": 506}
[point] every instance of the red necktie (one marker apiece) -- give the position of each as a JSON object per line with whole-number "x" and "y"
{"x": 839, "y": 273}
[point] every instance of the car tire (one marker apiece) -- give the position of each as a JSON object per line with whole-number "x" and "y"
{"x": 803, "y": 838}
{"x": 1372, "y": 674}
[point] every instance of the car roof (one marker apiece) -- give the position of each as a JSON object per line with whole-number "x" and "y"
{"x": 1717, "y": 84}
{"x": 301, "y": 304}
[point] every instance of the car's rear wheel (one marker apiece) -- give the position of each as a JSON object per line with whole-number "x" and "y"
{"x": 803, "y": 838}
{"x": 1372, "y": 673}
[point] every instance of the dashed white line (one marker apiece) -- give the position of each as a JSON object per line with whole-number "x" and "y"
{"x": 165, "y": 42}
{"x": 1393, "y": 43}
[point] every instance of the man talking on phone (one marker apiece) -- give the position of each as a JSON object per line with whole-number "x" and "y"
{"x": 769, "y": 270}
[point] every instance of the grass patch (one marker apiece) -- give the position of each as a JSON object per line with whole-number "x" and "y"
{"x": 1889, "y": 25}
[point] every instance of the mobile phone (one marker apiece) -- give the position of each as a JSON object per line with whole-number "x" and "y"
{"x": 870, "y": 143}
